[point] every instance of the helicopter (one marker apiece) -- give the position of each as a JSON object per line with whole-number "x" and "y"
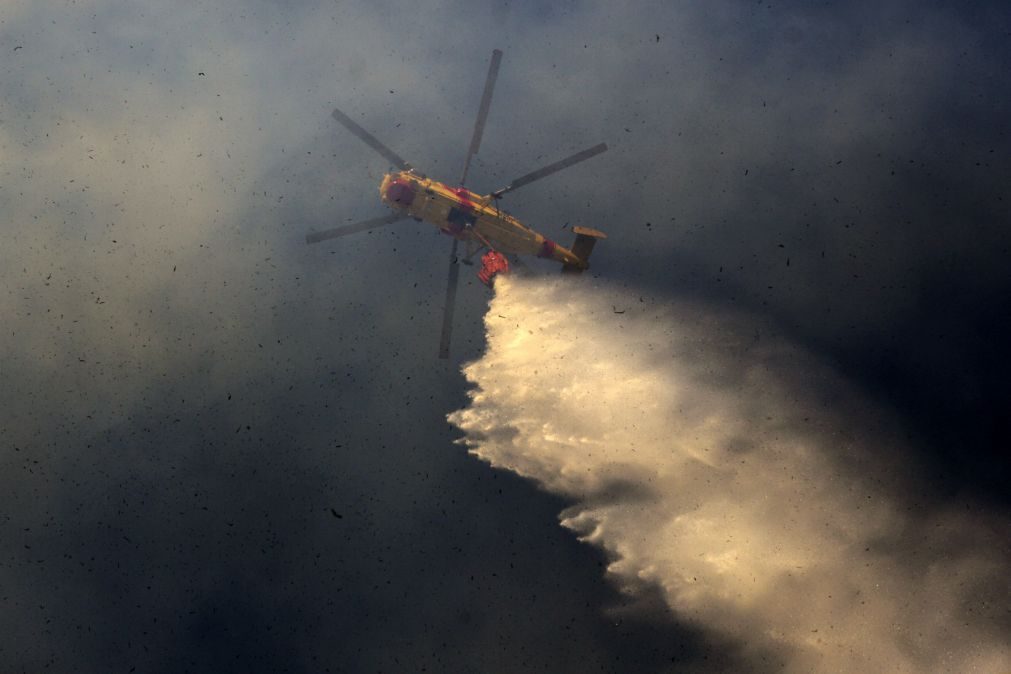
{"x": 467, "y": 216}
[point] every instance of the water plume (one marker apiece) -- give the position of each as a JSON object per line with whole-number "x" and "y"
{"x": 764, "y": 496}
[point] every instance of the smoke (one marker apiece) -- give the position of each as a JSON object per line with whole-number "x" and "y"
{"x": 715, "y": 460}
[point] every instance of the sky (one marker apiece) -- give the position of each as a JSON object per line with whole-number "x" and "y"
{"x": 224, "y": 450}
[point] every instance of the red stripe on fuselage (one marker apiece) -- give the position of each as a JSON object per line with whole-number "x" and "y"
{"x": 547, "y": 248}
{"x": 463, "y": 194}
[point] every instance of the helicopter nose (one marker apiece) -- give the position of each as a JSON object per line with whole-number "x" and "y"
{"x": 400, "y": 194}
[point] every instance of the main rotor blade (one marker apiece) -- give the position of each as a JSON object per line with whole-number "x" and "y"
{"x": 447, "y": 314}
{"x": 344, "y": 230}
{"x": 551, "y": 168}
{"x": 371, "y": 140}
{"x": 482, "y": 112}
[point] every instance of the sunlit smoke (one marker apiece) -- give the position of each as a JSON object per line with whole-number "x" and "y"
{"x": 715, "y": 460}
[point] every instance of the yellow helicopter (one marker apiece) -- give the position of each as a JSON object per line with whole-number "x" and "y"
{"x": 467, "y": 216}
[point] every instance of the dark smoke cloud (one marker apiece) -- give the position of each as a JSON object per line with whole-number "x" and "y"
{"x": 161, "y": 165}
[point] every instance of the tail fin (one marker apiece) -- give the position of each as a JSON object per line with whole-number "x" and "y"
{"x": 585, "y": 240}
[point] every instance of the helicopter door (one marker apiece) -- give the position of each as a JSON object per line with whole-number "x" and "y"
{"x": 459, "y": 219}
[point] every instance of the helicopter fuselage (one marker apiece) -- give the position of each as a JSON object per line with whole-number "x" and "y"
{"x": 471, "y": 217}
